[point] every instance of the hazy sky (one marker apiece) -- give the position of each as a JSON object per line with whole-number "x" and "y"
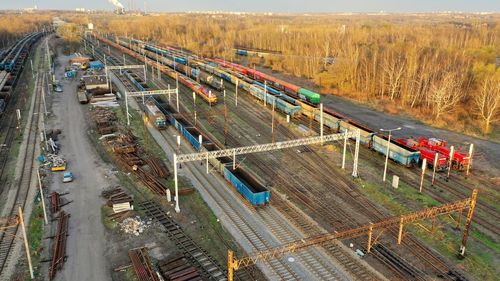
{"x": 271, "y": 5}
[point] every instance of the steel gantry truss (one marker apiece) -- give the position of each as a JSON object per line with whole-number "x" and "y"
{"x": 280, "y": 251}
{"x": 143, "y": 94}
{"x": 232, "y": 152}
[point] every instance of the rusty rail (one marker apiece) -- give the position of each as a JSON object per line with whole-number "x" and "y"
{"x": 59, "y": 245}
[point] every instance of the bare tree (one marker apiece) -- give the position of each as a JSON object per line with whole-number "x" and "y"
{"x": 487, "y": 102}
{"x": 446, "y": 94}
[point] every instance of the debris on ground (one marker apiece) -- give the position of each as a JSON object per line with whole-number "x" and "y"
{"x": 134, "y": 225}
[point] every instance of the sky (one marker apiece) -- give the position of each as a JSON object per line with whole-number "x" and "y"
{"x": 294, "y": 6}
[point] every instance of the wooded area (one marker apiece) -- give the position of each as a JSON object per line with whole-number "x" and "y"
{"x": 12, "y": 26}
{"x": 439, "y": 68}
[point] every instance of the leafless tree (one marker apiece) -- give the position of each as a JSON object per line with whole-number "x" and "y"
{"x": 487, "y": 102}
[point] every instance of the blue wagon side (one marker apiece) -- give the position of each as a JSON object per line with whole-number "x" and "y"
{"x": 254, "y": 192}
{"x": 405, "y": 156}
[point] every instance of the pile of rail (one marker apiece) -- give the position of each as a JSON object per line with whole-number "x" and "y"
{"x": 142, "y": 265}
{"x": 178, "y": 268}
{"x": 105, "y": 120}
{"x": 208, "y": 266}
{"x": 158, "y": 167}
{"x": 56, "y": 202}
{"x": 59, "y": 245}
{"x": 119, "y": 200}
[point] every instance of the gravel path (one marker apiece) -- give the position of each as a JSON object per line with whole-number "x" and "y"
{"x": 86, "y": 241}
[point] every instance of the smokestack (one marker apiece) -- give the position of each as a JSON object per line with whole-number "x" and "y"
{"x": 116, "y": 3}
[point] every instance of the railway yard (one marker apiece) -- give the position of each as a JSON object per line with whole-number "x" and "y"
{"x": 158, "y": 164}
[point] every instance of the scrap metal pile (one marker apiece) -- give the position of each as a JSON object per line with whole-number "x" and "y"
{"x": 56, "y": 162}
{"x": 142, "y": 265}
{"x": 59, "y": 245}
{"x": 105, "y": 120}
{"x": 178, "y": 268}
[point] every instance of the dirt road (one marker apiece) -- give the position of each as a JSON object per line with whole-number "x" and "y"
{"x": 85, "y": 246}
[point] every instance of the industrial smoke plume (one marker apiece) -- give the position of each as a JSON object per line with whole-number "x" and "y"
{"x": 116, "y": 3}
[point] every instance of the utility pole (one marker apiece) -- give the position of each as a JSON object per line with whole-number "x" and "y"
{"x": 387, "y": 151}
{"x": 345, "y": 148}
{"x": 194, "y": 108}
{"x": 42, "y": 197}
{"x": 434, "y": 168}
{"x": 468, "y": 222}
{"x": 236, "y": 90}
{"x": 469, "y": 163}
{"x": 356, "y": 154}
{"x": 177, "y": 208}
{"x": 424, "y": 167}
{"x": 321, "y": 122}
{"x": 177, "y": 90}
{"x": 225, "y": 119}
{"x": 265, "y": 93}
{"x": 272, "y": 122}
{"x": 450, "y": 164}
{"x": 26, "y": 245}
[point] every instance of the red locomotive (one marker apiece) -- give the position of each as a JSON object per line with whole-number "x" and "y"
{"x": 426, "y": 153}
{"x": 460, "y": 160}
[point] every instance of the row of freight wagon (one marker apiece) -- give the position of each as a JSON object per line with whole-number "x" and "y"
{"x": 208, "y": 72}
{"x": 240, "y": 178}
{"x": 181, "y": 70}
{"x": 400, "y": 152}
{"x": 178, "y": 60}
{"x": 10, "y": 58}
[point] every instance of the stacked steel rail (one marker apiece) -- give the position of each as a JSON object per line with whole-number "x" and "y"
{"x": 142, "y": 265}
{"x": 59, "y": 245}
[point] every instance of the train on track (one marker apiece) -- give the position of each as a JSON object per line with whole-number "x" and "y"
{"x": 400, "y": 151}
{"x": 10, "y": 59}
{"x": 179, "y": 66}
{"x": 242, "y": 180}
{"x": 155, "y": 115}
{"x": 12, "y": 62}
{"x": 292, "y": 99}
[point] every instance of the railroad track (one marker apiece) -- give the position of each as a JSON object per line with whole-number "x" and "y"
{"x": 249, "y": 273}
{"x": 209, "y": 266}
{"x": 350, "y": 263}
{"x": 349, "y": 190}
{"x": 312, "y": 261}
{"x": 24, "y": 184}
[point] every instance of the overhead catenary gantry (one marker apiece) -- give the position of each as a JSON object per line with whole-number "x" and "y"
{"x": 232, "y": 152}
{"x": 401, "y": 221}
